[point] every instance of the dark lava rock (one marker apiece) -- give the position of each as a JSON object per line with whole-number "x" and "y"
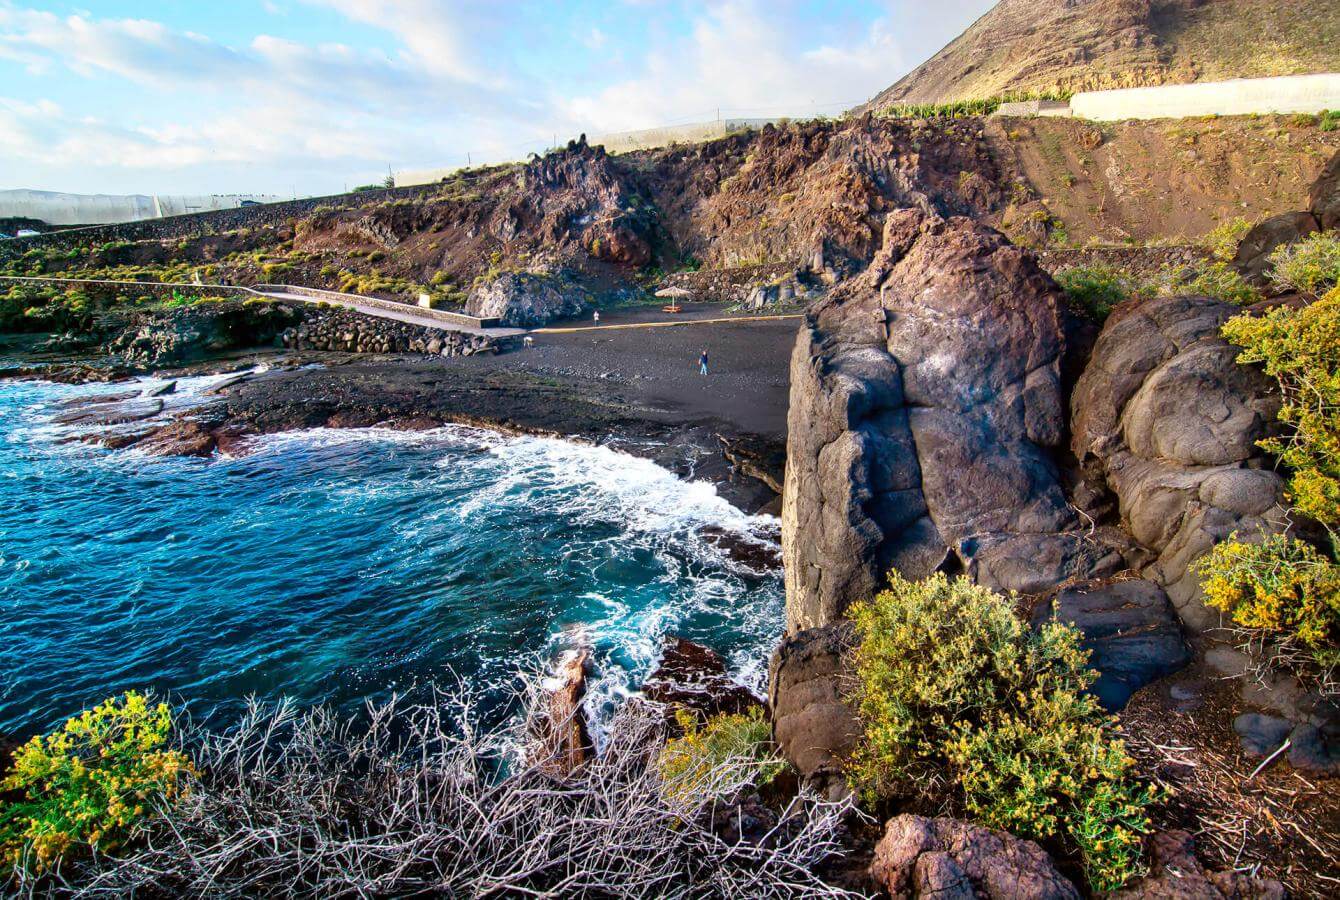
{"x": 1324, "y": 197}
{"x": 938, "y": 858}
{"x": 1253, "y": 254}
{"x": 926, "y": 400}
{"x": 1260, "y": 734}
{"x": 756, "y": 554}
{"x": 813, "y": 726}
{"x": 1316, "y": 749}
{"x": 111, "y": 413}
{"x": 523, "y": 299}
{"x": 1131, "y": 631}
{"x": 1178, "y": 875}
{"x": 693, "y": 676}
{"x": 184, "y": 437}
{"x": 1167, "y": 420}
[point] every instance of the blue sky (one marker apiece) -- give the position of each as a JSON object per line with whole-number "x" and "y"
{"x": 308, "y": 96}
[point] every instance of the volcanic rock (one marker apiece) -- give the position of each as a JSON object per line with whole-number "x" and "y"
{"x": 926, "y": 402}
{"x": 561, "y": 739}
{"x": 1324, "y": 197}
{"x": 1166, "y": 418}
{"x": 522, "y": 299}
{"x": 1131, "y": 631}
{"x": 693, "y": 676}
{"x": 1253, "y": 255}
{"x": 943, "y": 857}
{"x": 812, "y": 724}
{"x": 1178, "y": 875}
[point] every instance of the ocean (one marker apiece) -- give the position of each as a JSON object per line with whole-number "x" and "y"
{"x": 333, "y": 567}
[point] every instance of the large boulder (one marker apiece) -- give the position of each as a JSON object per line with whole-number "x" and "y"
{"x": 813, "y": 726}
{"x": 1130, "y": 630}
{"x": 524, "y": 299}
{"x": 926, "y": 402}
{"x": 1324, "y": 197}
{"x": 947, "y": 858}
{"x": 1166, "y": 418}
{"x": 1252, "y": 259}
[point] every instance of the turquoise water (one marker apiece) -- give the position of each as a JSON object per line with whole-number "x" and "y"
{"x": 332, "y": 566}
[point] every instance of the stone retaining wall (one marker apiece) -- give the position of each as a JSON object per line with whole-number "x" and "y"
{"x": 349, "y": 331}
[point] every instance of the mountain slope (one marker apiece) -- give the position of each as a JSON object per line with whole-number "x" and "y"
{"x": 1073, "y": 45}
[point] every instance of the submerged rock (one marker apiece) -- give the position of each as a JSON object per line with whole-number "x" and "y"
{"x": 943, "y": 858}
{"x": 695, "y": 677}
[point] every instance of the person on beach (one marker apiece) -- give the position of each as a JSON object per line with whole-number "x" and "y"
{"x": 597, "y": 317}
{"x": 702, "y": 362}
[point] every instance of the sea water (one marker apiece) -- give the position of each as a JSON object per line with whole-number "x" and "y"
{"x": 333, "y": 567}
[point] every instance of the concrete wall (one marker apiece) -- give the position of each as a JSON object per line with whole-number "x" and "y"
{"x": 1242, "y": 96}
{"x": 57, "y": 208}
{"x": 651, "y": 138}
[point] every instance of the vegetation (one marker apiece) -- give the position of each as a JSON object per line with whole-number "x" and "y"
{"x": 1281, "y": 588}
{"x": 1223, "y": 239}
{"x": 90, "y": 784}
{"x": 952, "y": 683}
{"x": 1310, "y": 266}
{"x": 691, "y": 765}
{"x": 958, "y": 109}
{"x": 427, "y": 800}
{"x": 1095, "y": 289}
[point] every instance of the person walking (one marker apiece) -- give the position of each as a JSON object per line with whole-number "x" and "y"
{"x": 702, "y": 362}
{"x": 597, "y": 317}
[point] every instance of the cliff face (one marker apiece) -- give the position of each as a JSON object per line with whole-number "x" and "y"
{"x": 1075, "y": 45}
{"x": 927, "y": 399}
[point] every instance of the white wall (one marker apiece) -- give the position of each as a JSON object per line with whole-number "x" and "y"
{"x": 105, "y": 209}
{"x": 1242, "y": 96}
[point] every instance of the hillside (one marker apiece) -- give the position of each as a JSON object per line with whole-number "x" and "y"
{"x": 1045, "y": 45}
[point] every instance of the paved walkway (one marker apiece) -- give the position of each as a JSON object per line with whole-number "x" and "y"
{"x": 409, "y": 315}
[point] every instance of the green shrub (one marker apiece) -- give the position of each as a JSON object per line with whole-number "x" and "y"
{"x": 1095, "y": 289}
{"x": 1329, "y": 120}
{"x": 1310, "y": 266}
{"x": 709, "y": 755}
{"x": 951, "y": 680}
{"x": 1223, "y": 239}
{"x": 89, "y": 784}
{"x": 1300, "y": 349}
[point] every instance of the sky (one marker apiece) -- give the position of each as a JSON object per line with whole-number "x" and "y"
{"x": 308, "y": 97}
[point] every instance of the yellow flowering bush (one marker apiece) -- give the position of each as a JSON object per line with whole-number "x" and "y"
{"x": 89, "y": 783}
{"x": 951, "y": 680}
{"x": 714, "y": 755}
{"x": 1279, "y": 584}
{"x": 1300, "y": 348}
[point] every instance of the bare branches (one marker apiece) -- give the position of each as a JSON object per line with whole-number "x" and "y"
{"x": 419, "y": 799}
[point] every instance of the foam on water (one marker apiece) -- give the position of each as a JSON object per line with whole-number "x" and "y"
{"x": 336, "y": 565}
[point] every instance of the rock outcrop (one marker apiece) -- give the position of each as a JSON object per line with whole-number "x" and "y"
{"x": 561, "y": 740}
{"x": 523, "y": 299}
{"x": 1130, "y": 630}
{"x": 927, "y": 399}
{"x": 1167, "y": 420}
{"x": 352, "y": 332}
{"x": 812, "y": 725}
{"x": 946, "y": 858}
{"x": 1324, "y": 197}
{"x": 1252, "y": 259}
